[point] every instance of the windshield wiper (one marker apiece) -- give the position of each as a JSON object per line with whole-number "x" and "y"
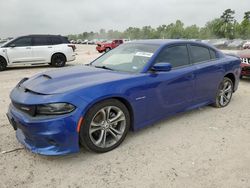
{"x": 104, "y": 67}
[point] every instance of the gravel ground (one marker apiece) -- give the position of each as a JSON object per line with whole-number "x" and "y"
{"x": 207, "y": 147}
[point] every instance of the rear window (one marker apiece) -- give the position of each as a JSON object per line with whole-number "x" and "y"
{"x": 200, "y": 54}
{"x": 56, "y": 40}
{"x": 41, "y": 41}
{"x": 213, "y": 54}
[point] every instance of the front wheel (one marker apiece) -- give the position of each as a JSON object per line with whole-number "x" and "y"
{"x": 224, "y": 94}
{"x": 105, "y": 126}
{"x": 58, "y": 60}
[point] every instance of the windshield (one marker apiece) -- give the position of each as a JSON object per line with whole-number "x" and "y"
{"x": 130, "y": 57}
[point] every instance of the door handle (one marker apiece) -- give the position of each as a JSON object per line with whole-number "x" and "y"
{"x": 49, "y": 46}
{"x": 28, "y": 48}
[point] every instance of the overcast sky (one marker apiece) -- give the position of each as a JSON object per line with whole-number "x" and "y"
{"x": 19, "y": 17}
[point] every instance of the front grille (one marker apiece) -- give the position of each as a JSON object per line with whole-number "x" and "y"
{"x": 246, "y": 68}
{"x": 27, "y": 109}
{"x": 245, "y": 60}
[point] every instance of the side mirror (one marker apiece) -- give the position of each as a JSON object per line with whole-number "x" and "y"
{"x": 162, "y": 67}
{"x": 12, "y": 45}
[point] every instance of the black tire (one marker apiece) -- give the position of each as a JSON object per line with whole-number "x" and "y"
{"x": 58, "y": 60}
{"x": 224, "y": 97}
{"x": 88, "y": 136}
{"x": 107, "y": 50}
{"x": 3, "y": 64}
{"x": 241, "y": 76}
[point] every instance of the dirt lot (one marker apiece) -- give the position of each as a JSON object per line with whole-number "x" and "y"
{"x": 207, "y": 147}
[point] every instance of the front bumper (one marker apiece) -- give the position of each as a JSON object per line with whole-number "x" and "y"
{"x": 245, "y": 69}
{"x": 54, "y": 136}
{"x": 100, "y": 48}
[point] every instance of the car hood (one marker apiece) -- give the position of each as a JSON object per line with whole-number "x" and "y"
{"x": 70, "y": 79}
{"x": 244, "y": 53}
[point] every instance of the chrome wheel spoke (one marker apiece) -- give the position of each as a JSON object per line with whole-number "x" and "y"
{"x": 95, "y": 129}
{"x": 93, "y": 124}
{"x": 119, "y": 117}
{"x": 226, "y": 98}
{"x": 221, "y": 100}
{"x": 99, "y": 141}
{"x": 228, "y": 88}
{"x": 104, "y": 139}
{"x": 114, "y": 135}
{"x": 115, "y": 131}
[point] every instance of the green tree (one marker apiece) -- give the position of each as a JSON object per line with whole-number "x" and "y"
{"x": 244, "y": 28}
{"x": 192, "y": 32}
{"x": 227, "y": 24}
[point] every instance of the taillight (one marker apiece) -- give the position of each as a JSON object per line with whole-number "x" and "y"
{"x": 72, "y": 46}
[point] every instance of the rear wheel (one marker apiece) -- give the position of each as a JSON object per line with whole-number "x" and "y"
{"x": 107, "y": 50}
{"x": 105, "y": 126}
{"x": 224, "y": 93}
{"x": 3, "y": 64}
{"x": 58, "y": 60}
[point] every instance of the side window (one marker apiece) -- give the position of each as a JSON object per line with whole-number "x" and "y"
{"x": 177, "y": 56}
{"x": 56, "y": 40}
{"x": 41, "y": 41}
{"x": 199, "y": 53}
{"x": 213, "y": 54}
{"x": 24, "y": 41}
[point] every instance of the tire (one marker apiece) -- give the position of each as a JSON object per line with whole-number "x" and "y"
{"x": 101, "y": 133}
{"x": 241, "y": 77}
{"x": 3, "y": 64}
{"x": 107, "y": 50}
{"x": 58, "y": 60}
{"x": 224, "y": 93}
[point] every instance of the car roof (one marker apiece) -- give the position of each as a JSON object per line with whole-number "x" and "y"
{"x": 163, "y": 42}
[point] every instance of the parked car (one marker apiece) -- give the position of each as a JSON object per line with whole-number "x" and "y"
{"x": 97, "y": 104}
{"x": 35, "y": 50}
{"x": 246, "y": 45}
{"x": 236, "y": 44}
{"x": 105, "y": 47}
{"x": 245, "y": 62}
{"x": 219, "y": 43}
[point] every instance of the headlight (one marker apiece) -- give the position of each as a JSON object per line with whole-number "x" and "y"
{"x": 54, "y": 109}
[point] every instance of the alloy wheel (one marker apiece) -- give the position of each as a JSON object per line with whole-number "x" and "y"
{"x": 225, "y": 93}
{"x": 107, "y": 126}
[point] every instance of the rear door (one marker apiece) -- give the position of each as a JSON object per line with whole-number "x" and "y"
{"x": 42, "y": 49}
{"x": 208, "y": 72}
{"x": 19, "y": 51}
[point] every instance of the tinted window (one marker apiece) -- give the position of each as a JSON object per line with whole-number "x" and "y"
{"x": 24, "y": 41}
{"x": 177, "y": 56}
{"x": 41, "y": 41}
{"x": 199, "y": 53}
{"x": 56, "y": 40}
{"x": 213, "y": 54}
{"x": 65, "y": 40}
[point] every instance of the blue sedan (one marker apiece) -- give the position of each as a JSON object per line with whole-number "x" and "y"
{"x": 128, "y": 88}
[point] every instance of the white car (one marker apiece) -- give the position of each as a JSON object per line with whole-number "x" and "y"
{"x": 55, "y": 50}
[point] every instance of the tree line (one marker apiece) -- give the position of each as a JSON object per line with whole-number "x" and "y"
{"x": 226, "y": 26}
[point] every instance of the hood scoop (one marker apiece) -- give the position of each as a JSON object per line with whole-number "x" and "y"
{"x": 46, "y": 76}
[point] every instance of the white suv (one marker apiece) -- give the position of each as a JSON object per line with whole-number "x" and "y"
{"x": 35, "y": 50}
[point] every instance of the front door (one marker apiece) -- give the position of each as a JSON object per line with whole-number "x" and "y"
{"x": 20, "y": 51}
{"x": 171, "y": 92}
